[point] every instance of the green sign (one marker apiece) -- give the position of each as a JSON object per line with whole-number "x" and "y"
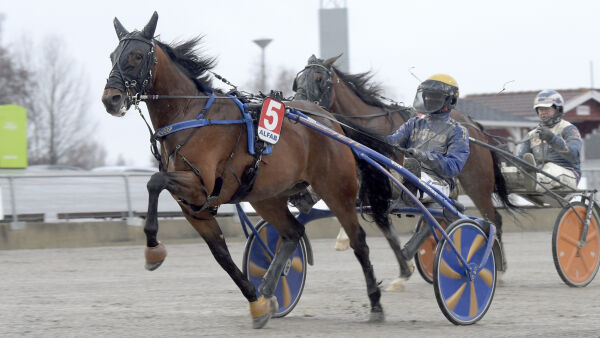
{"x": 13, "y": 136}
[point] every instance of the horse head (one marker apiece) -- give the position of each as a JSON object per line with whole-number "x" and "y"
{"x": 315, "y": 82}
{"x": 133, "y": 63}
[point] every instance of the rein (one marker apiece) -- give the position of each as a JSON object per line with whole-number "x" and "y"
{"x": 500, "y": 139}
{"x": 307, "y": 112}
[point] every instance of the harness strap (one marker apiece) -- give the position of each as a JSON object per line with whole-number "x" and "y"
{"x": 248, "y": 177}
{"x": 208, "y": 104}
{"x": 209, "y": 197}
{"x": 175, "y": 127}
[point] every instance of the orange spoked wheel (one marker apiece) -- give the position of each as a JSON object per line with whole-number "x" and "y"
{"x": 576, "y": 262}
{"x": 257, "y": 261}
{"x": 426, "y": 252}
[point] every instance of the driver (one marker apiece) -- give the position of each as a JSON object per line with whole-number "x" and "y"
{"x": 555, "y": 144}
{"x": 437, "y": 142}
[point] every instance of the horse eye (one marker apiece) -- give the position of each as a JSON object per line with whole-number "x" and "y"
{"x": 138, "y": 57}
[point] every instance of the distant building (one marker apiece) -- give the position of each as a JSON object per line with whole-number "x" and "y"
{"x": 496, "y": 121}
{"x": 582, "y": 106}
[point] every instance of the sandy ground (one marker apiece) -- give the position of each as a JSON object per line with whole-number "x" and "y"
{"x": 105, "y": 292}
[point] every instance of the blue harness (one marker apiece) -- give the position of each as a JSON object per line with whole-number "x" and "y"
{"x": 255, "y": 148}
{"x": 202, "y": 122}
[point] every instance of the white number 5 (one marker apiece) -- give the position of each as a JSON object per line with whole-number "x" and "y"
{"x": 273, "y": 105}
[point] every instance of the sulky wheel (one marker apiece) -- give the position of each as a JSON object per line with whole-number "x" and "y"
{"x": 426, "y": 252}
{"x": 576, "y": 263}
{"x": 257, "y": 261}
{"x": 464, "y": 301}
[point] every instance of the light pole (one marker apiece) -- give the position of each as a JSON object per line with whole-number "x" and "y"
{"x": 262, "y": 43}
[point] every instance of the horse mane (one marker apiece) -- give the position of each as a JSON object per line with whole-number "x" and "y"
{"x": 189, "y": 59}
{"x": 362, "y": 85}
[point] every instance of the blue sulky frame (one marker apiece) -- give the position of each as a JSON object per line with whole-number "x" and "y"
{"x": 376, "y": 159}
{"x": 470, "y": 270}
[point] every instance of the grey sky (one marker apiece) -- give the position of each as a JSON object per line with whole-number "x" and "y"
{"x": 482, "y": 44}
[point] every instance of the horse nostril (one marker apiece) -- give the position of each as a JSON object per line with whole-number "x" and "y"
{"x": 116, "y": 98}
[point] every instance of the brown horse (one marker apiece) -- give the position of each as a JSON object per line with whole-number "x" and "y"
{"x": 355, "y": 100}
{"x": 202, "y": 167}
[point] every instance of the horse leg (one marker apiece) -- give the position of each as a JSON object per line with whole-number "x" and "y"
{"x": 184, "y": 185}
{"x": 336, "y": 197}
{"x": 361, "y": 250}
{"x": 261, "y": 309}
{"x": 406, "y": 267}
{"x": 379, "y": 206}
{"x": 275, "y": 211}
{"x": 342, "y": 242}
{"x": 155, "y": 252}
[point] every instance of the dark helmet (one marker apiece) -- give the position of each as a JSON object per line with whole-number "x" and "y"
{"x": 439, "y": 93}
{"x": 550, "y": 98}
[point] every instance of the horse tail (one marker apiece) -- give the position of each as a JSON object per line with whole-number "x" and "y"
{"x": 499, "y": 182}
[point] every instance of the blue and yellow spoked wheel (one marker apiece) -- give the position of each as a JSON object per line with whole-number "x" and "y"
{"x": 463, "y": 301}
{"x": 257, "y": 261}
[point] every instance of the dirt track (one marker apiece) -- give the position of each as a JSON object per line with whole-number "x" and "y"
{"x": 105, "y": 292}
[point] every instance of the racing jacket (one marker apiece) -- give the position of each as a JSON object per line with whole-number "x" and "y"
{"x": 564, "y": 149}
{"x": 444, "y": 141}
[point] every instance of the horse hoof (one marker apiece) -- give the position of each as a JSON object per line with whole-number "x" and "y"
{"x": 342, "y": 244}
{"x": 376, "y": 316}
{"x": 397, "y": 285}
{"x": 153, "y": 266}
{"x": 260, "y": 322}
{"x": 499, "y": 280}
{"x": 411, "y": 268}
{"x": 274, "y": 304}
{"x": 261, "y": 311}
{"x": 155, "y": 256}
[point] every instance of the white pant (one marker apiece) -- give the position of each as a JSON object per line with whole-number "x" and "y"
{"x": 564, "y": 175}
{"x": 439, "y": 184}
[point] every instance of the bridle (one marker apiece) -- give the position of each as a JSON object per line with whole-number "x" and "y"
{"x": 129, "y": 85}
{"x": 325, "y": 97}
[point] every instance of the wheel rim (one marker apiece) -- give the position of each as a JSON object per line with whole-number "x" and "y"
{"x": 578, "y": 265}
{"x": 425, "y": 257}
{"x": 426, "y": 253}
{"x": 465, "y": 301}
{"x": 291, "y": 283}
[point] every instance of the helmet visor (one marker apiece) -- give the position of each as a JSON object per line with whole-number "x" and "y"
{"x": 429, "y": 101}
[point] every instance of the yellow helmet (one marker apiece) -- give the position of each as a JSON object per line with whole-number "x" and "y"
{"x": 439, "y": 93}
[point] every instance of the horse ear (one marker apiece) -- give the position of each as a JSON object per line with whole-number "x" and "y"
{"x": 329, "y": 62}
{"x": 121, "y": 31}
{"x": 312, "y": 59}
{"x": 148, "y": 31}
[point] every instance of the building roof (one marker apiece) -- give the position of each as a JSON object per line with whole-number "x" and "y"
{"x": 520, "y": 103}
{"x": 491, "y": 117}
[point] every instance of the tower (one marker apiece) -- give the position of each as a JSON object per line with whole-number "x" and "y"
{"x": 333, "y": 32}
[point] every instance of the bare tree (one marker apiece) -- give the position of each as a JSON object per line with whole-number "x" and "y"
{"x": 60, "y": 127}
{"x": 14, "y": 80}
{"x": 253, "y": 84}
{"x": 284, "y": 80}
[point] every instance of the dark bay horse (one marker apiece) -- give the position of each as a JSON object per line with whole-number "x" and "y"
{"x": 355, "y": 100}
{"x": 202, "y": 167}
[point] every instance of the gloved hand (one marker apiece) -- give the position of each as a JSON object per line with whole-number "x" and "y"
{"x": 545, "y": 133}
{"x": 417, "y": 154}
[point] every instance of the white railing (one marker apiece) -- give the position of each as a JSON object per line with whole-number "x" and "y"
{"x": 59, "y": 196}
{"x": 88, "y": 195}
